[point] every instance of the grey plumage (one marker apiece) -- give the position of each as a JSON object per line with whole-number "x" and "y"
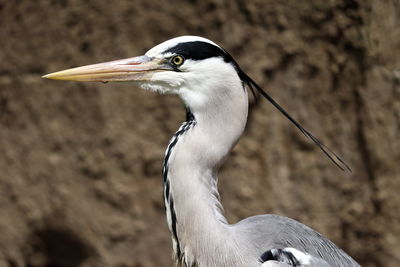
{"x": 214, "y": 90}
{"x": 283, "y": 232}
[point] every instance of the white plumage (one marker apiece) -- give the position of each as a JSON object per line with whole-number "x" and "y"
{"x": 214, "y": 91}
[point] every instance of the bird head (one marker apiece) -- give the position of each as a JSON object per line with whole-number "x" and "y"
{"x": 189, "y": 66}
{"x": 195, "y": 68}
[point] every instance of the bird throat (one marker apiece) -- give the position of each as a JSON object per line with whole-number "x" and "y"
{"x": 195, "y": 153}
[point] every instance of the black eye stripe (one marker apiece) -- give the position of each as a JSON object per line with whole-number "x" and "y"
{"x": 198, "y": 50}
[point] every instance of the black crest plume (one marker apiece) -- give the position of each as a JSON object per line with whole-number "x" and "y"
{"x": 198, "y": 50}
{"x": 326, "y": 150}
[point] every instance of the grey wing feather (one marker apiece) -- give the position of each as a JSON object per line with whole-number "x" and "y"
{"x": 267, "y": 232}
{"x": 314, "y": 263}
{"x": 317, "y": 262}
{"x": 292, "y": 257}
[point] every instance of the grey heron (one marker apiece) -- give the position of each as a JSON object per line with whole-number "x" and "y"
{"x": 214, "y": 91}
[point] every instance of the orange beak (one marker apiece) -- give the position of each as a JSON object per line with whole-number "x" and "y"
{"x": 130, "y": 69}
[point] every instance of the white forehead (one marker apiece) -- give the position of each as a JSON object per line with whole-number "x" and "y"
{"x": 158, "y": 49}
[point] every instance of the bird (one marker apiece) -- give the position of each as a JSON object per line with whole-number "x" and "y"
{"x": 215, "y": 93}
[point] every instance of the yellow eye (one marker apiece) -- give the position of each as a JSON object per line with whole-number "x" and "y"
{"x": 177, "y": 60}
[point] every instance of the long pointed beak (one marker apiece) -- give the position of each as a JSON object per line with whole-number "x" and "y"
{"x": 130, "y": 69}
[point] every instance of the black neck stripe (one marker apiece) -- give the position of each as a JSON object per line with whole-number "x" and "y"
{"x": 168, "y": 199}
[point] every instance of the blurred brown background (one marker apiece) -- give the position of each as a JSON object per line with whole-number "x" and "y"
{"x": 80, "y": 179}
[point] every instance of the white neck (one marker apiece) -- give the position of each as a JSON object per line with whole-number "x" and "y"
{"x": 191, "y": 168}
